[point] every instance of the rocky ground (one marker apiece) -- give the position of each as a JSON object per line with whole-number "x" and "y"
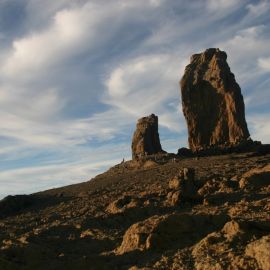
{"x": 165, "y": 213}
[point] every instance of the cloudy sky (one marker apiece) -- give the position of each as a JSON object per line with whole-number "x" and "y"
{"x": 75, "y": 75}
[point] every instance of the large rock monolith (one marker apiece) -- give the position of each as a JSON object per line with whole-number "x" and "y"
{"x": 146, "y": 138}
{"x": 212, "y": 102}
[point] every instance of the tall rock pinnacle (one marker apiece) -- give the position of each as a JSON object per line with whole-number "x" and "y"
{"x": 212, "y": 102}
{"x": 146, "y": 138}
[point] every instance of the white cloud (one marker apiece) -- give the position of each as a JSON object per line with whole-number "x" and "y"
{"x": 115, "y": 84}
{"x": 248, "y": 57}
{"x": 264, "y": 64}
{"x": 221, "y": 5}
{"x": 69, "y": 30}
{"x": 244, "y": 49}
{"x": 72, "y": 165}
{"x": 32, "y": 112}
{"x": 146, "y": 85}
{"x": 31, "y": 179}
{"x": 30, "y": 104}
{"x": 248, "y": 41}
{"x": 61, "y": 132}
{"x": 260, "y": 129}
{"x": 258, "y": 9}
{"x": 73, "y": 30}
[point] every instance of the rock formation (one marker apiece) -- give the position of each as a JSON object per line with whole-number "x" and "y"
{"x": 122, "y": 204}
{"x": 212, "y": 102}
{"x": 146, "y": 138}
{"x": 161, "y": 232}
{"x": 256, "y": 178}
{"x": 182, "y": 187}
{"x": 259, "y": 250}
{"x": 12, "y": 205}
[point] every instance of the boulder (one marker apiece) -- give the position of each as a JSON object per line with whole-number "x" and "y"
{"x": 235, "y": 228}
{"x": 146, "y": 137}
{"x": 175, "y": 182}
{"x": 182, "y": 187}
{"x": 149, "y": 164}
{"x": 12, "y": 205}
{"x": 212, "y": 102}
{"x": 256, "y": 178}
{"x": 184, "y": 152}
{"x": 174, "y": 198}
{"x": 121, "y": 205}
{"x": 259, "y": 250}
{"x": 169, "y": 231}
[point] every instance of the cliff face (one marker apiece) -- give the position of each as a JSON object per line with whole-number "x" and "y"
{"x": 212, "y": 102}
{"x": 146, "y": 138}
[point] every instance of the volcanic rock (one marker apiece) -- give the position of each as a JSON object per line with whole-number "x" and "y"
{"x": 212, "y": 102}
{"x": 256, "y": 178}
{"x": 184, "y": 152}
{"x": 183, "y": 187}
{"x": 174, "y": 198}
{"x": 146, "y": 138}
{"x": 259, "y": 250}
{"x": 11, "y": 205}
{"x": 120, "y": 205}
{"x": 159, "y": 232}
{"x": 234, "y": 228}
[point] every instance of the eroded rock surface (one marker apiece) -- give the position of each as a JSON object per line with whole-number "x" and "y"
{"x": 146, "y": 137}
{"x": 182, "y": 187}
{"x": 11, "y": 205}
{"x": 212, "y": 102}
{"x": 161, "y": 232}
{"x": 256, "y": 178}
{"x": 260, "y": 250}
{"x": 120, "y": 205}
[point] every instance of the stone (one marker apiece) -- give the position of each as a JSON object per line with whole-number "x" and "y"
{"x": 135, "y": 237}
{"x": 12, "y": 205}
{"x": 183, "y": 186}
{"x": 121, "y": 204}
{"x": 235, "y": 228}
{"x": 184, "y": 152}
{"x": 259, "y": 250}
{"x": 146, "y": 137}
{"x": 175, "y": 183}
{"x": 208, "y": 253}
{"x": 175, "y": 198}
{"x": 212, "y": 102}
{"x": 256, "y": 178}
{"x": 149, "y": 164}
{"x": 161, "y": 232}
{"x": 189, "y": 174}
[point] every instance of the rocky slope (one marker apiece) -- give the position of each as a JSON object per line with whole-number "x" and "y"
{"x": 163, "y": 213}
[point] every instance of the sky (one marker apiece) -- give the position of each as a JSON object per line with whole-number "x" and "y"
{"x": 75, "y": 75}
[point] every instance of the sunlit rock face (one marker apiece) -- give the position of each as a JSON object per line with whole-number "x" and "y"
{"x": 212, "y": 102}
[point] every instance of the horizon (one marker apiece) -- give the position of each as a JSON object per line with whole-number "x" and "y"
{"x": 77, "y": 75}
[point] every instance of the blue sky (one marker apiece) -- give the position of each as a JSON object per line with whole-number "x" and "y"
{"x": 76, "y": 75}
